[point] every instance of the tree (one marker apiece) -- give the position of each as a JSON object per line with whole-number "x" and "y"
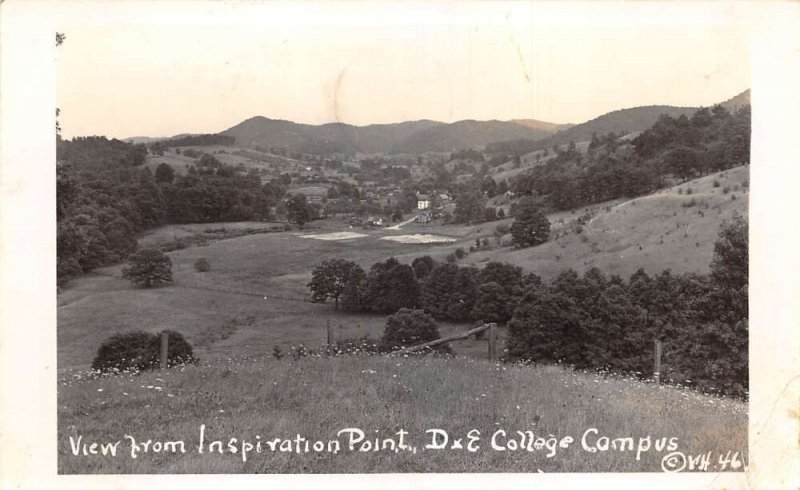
{"x": 530, "y": 227}
{"x": 448, "y": 292}
{"x": 407, "y": 328}
{"x": 469, "y": 208}
{"x": 329, "y": 279}
{"x": 422, "y": 266}
{"x": 164, "y": 173}
{"x": 297, "y": 209}
{"x": 354, "y": 292}
{"x": 730, "y": 263}
{"x": 547, "y": 327}
{"x": 149, "y": 267}
{"x": 490, "y": 303}
{"x": 390, "y": 286}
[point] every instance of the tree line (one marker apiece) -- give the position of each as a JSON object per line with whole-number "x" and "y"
{"x": 680, "y": 148}
{"x": 591, "y": 321}
{"x": 105, "y": 197}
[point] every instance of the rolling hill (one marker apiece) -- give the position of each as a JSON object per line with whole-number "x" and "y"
{"x": 406, "y": 137}
{"x": 620, "y": 121}
{"x": 514, "y": 136}
{"x": 737, "y": 101}
{"x": 470, "y": 134}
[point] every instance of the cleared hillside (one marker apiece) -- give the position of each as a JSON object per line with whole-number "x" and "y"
{"x": 674, "y": 228}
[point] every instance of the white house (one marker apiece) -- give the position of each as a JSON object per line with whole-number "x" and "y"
{"x": 423, "y": 201}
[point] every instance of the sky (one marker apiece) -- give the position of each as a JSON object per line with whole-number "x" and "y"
{"x": 189, "y": 70}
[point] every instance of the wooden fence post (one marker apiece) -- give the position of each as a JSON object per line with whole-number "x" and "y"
{"x": 657, "y": 366}
{"x": 330, "y": 334}
{"x": 492, "y": 342}
{"x": 164, "y": 349}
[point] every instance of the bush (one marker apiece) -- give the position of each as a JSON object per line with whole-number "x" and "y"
{"x": 408, "y": 328}
{"x": 140, "y": 351}
{"x": 202, "y": 265}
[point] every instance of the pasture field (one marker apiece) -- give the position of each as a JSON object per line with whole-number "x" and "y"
{"x": 266, "y": 398}
{"x": 278, "y": 265}
{"x": 674, "y": 228}
{"x": 218, "y": 324}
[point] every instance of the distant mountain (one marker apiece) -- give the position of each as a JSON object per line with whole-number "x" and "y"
{"x": 153, "y": 139}
{"x": 142, "y": 139}
{"x": 738, "y": 101}
{"x": 620, "y": 122}
{"x": 543, "y": 125}
{"x": 515, "y": 136}
{"x": 467, "y": 134}
{"x": 407, "y": 137}
{"x": 325, "y": 138}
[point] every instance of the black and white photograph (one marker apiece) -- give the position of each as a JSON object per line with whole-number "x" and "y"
{"x": 425, "y": 238}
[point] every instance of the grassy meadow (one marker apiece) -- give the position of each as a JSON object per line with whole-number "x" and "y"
{"x": 242, "y": 398}
{"x": 674, "y": 228}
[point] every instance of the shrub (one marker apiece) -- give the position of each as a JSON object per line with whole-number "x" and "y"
{"x": 408, "y": 328}
{"x": 460, "y": 253}
{"x": 140, "y": 351}
{"x": 502, "y": 229}
{"x": 716, "y": 183}
{"x": 202, "y": 265}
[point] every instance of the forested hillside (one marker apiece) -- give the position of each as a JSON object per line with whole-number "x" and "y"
{"x": 673, "y": 148}
{"x": 105, "y": 197}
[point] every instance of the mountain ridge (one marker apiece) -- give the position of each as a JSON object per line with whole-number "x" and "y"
{"x": 425, "y": 135}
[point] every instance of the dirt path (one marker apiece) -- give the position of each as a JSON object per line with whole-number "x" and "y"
{"x": 399, "y": 225}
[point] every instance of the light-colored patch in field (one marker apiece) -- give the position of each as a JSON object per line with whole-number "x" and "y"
{"x": 338, "y": 235}
{"x": 419, "y": 238}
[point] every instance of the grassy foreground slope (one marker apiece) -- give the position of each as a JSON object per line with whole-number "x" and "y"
{"x": 317, "y": 397}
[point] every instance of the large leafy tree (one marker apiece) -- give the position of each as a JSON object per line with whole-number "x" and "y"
{"x": 354, "y": 292}
{"x": 448, "y": 292}
{"x": 422, "y": 266}
{"x": 329, "y": 279}
{"x": 490, "y": 303}
{"x": 531, "y": 226}
{"x": 297, "y": 209}
{"x": 149, "y": 267}
{"x": 164, "y": 173}
{"x": 390, "y": 286}
{"x": 469, "y": 207}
